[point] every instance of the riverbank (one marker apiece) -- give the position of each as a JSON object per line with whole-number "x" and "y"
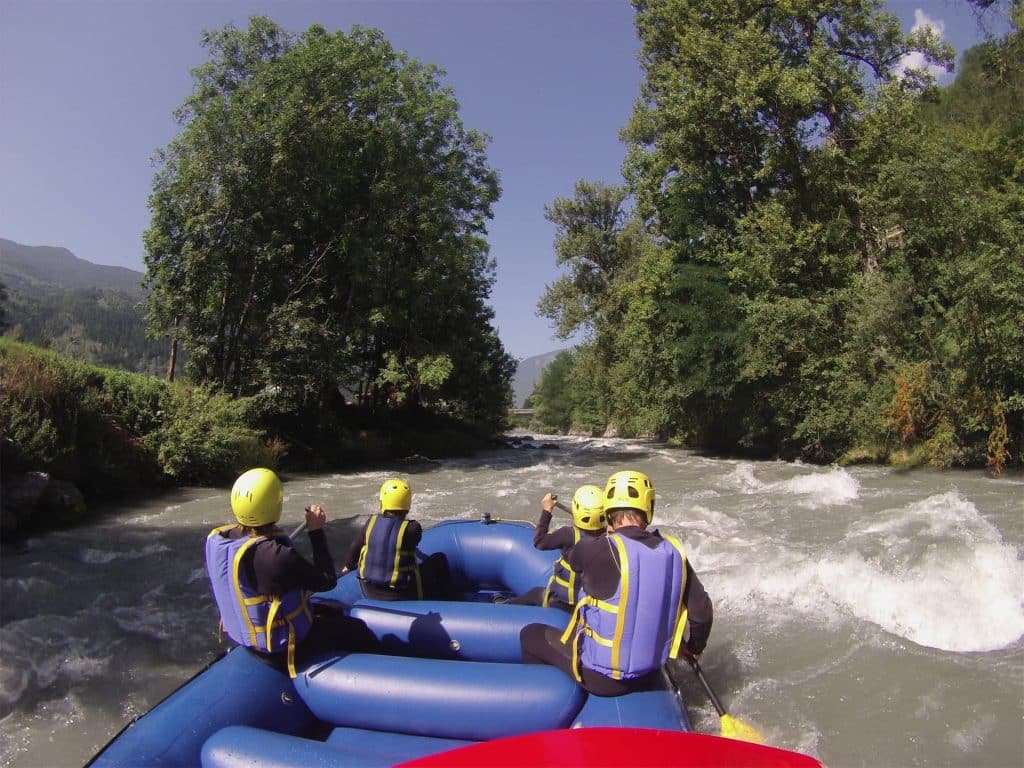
{"x": 77, "y": 435}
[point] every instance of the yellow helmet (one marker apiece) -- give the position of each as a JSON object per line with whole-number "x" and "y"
{"x": 630, "y": 490}
{"x": 395, "y": 494}
{"x": 588, "y": 509}
{"x": 256, "y": 498}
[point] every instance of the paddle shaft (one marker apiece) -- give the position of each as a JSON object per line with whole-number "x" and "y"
{"x": 707, "y": 687}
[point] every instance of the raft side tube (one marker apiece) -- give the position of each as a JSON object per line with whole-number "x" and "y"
{"x": 238, "y": 689}
{"x": 434, "y": 697}
{"x": 244, "y": 747}
{"x": 448, "y": 630}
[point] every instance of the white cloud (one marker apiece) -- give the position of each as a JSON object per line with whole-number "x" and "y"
{"x": 922, "y": 20}
{"x": 916, "y": 60}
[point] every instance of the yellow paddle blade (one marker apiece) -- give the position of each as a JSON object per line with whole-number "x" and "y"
{"x": 737, "y": 729}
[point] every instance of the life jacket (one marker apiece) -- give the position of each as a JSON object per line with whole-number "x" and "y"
{"x": 267, "y": 623}
{"x": 384, "y": 560}
{"x": 562, "y": 584}
{"x": 638, "y": 628}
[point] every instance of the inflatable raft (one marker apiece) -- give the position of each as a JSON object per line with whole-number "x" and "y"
{"x": 451, "y": 678}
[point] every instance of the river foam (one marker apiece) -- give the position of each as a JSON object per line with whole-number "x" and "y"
{"x": 811, "y": 487}
{"x": 934, "y": 572}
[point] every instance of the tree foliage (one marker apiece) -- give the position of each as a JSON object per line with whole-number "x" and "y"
{"x": 319, "y": 221}
{"x": 827, "y": 256}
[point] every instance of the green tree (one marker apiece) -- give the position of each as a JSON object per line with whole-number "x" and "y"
{"x": 553, "y": 395}
{"x": 599, "y": 242}
{"x": 320, "y": 220}
{"x": 743, "y": 159}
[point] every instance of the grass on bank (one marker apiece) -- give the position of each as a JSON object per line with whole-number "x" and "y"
{"x": 114, "y": 433}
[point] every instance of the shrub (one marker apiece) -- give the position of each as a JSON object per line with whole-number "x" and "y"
{"x": 205, "y": 438}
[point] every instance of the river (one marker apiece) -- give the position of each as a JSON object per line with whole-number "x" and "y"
{"x": 865, "y": 616}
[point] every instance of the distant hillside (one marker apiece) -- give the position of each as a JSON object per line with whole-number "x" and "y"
{"x": 527, "y": 373}
{"x": 35, "y": 268}
{"x": 88, "y": 311}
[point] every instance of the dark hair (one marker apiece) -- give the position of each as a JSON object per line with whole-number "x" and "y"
{"x": 617, "y": 516}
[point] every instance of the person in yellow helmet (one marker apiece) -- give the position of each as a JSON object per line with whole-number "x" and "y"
{"x": 562, "y": 589}
{"x": 640, "y": 596}
{"x": 261, "y": 583}
{"x": 385, "y": 553}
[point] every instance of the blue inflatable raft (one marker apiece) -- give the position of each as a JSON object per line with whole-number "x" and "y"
{"x": 452, "y": 676}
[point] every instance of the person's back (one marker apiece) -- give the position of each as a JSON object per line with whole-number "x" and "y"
{"x": 260, "y": 583}
{"x": 629, "y": 633}
{"x": 385, "y": 553}
{"x": 562, "y": 588}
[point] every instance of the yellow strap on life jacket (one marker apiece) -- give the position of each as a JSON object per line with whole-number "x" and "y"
{"x": 620, "y": 609}
{"x": 366, "y": 546}
{"x": 571, "y": 634}
{"x": 236, "y": 582}
{"x": 397, "y": 570}
{"x": 275, "y": 604}
{"x": 570, "y": 584}
{"x": 291, "y": 651}
{"x": 681, "y": 612}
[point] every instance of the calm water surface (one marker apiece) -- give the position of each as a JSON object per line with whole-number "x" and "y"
{"x": 864, "y": 616}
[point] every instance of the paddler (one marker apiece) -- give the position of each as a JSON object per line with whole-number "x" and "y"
{"x": 639, "y": 596}
{"x": 260, "y": 582}
{"x": 562, "y": 589}
{"x": 385, "y": 553}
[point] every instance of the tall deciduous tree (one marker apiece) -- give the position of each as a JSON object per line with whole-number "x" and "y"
{"x": 320, "y": 220}
{"x": 742, "y": 159}
{"x": 830, "y": 260}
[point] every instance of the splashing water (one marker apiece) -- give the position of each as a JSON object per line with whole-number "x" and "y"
{"x": 934, "y": 572}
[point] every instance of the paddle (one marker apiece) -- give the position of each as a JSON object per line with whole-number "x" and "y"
{"x": 731, "y": 727}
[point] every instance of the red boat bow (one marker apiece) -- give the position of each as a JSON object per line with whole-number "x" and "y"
{"x": 595, "y": 747}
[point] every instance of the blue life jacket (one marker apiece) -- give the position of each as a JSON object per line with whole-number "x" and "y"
{"x": 638, "y": 628}
{"x": 267, "y": 623}
{"x": 384, "y": 560}
{"x": 562, "y": 584}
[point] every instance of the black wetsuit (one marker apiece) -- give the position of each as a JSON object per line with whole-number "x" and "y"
{"x": 597, "y": 563}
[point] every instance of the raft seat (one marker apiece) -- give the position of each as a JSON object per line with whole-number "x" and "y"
{"x": 448, "y": 630}
{"x": 439, "y": 698}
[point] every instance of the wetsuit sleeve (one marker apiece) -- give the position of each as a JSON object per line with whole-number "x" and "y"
{"x": 352, "y": 558}
{"x": 700, "y": 612}
{"x": 413, "y": 535}
{"x": 540, "y": 531}
{"x": 560, "y": 539}
{"x": 280, "y": 568}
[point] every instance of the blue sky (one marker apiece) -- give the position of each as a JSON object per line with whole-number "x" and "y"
{"x": 87, "y": 88}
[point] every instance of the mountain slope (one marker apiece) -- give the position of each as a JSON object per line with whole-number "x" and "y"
{"x": 527, "y": 373}
{"x": 88, "y": 311}
{"x": 36, "y": 268}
